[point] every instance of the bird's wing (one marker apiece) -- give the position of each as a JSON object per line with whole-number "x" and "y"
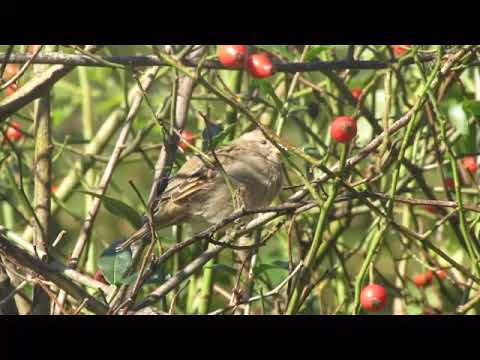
{"x": 192, "y": 177}
{"x": 195, "y": 175}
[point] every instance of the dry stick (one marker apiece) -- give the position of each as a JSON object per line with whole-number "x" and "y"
{"x": 45, "y": 270}
{"x": 6, "y": 57}
{"x": 252, "y": 263}
{"x": 87, "y": 130}
{"x": 152, "y": 60}
{"x": 80, "y": 307}
{"x": 20, "y": 301}
{"x": 96, "y": 146}
{"x": 20, "y": 72}
{"x": 174, "y": 300}
{"x": 55, "y": 264}
{"x": 85, "y": 233}
{"x": 42, "y": 173}
{"x": 59, "y": 238}
{"x": 462, "y": 309}
{"x": 147, "y": 80}
{"x": 6, "y": 300}
{"x": 168, "y": 151}
{"x": 7, "y": 292}
{"x": 34, "y": 88}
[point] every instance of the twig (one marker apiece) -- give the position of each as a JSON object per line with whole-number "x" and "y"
{"x": 43, "y": 269}
{"x": 152, "y": 60}
{"x": 272, "y": 292}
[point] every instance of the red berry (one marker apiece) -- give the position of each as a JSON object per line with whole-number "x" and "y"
{"x": 99, "y": 277}
{"x": 13, "y": 132}
{"x": 470, "y": 164}
{"x": 373, "y": 297}
{"x": 357, "y": 92}
{"x": 431, "y": 208}
{"x": 10, "y": 71}
{"x": 343, "y": 129}
{"x": 11, "y": 89}
{"x": 450, "y": 183}
{"x": 260, "y": 65}
{"x": 399, "y": 50}
{"x": 423, "y": 279}
{"x": 54, "y": 188}
{"x": 441, "y": 274}
{"x": 232, "y": 56}
{"x": 187, "y": 138}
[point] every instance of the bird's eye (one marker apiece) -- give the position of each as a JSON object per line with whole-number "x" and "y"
{"x": 263, "y": 142}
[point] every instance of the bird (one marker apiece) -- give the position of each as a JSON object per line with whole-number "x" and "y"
{"x": 246, "y": 173}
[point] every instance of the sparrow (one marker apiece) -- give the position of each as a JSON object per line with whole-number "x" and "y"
{"x": 246, "y": 173}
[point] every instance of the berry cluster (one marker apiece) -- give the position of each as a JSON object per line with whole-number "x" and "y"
{"x": 237, "y": 56}
{"x": 373, "y": 297}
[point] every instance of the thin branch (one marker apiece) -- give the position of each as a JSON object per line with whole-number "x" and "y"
{"x": 39, "y": 267}
{"x": 152, "y": 60}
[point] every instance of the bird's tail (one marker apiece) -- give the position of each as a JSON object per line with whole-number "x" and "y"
{"x": 140, "y": 234}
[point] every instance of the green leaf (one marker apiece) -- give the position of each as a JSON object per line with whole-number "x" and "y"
{"x": 467, "y": 144}
{"x": 364, "y": 132}
{"x": 314, "y": 51}
{"x": 472, "y": 107}
{"x": 114, "y": 264}
{"x": 119, "y": 208}
{"x": 459, "y": 119}
{"x": 281, "y": 50}
{"x": 156, "y": 278}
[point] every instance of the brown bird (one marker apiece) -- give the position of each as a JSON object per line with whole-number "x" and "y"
{"x": 200, "y": 195}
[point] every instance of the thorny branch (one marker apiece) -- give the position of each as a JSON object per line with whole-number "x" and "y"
{"x": 365, "y": 195}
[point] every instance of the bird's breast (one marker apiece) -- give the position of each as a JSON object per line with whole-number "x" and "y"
{"x": 261, "y": 180}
